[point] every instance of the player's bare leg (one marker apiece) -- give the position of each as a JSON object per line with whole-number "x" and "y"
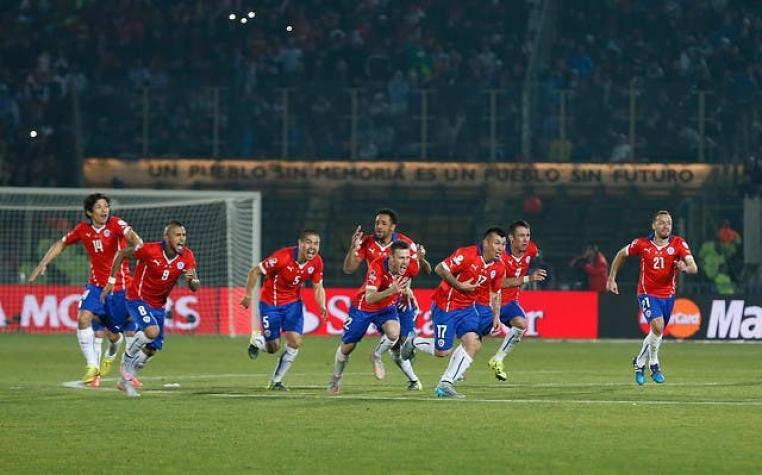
{"x": 286, "y": 359}
{"x": 515, "y": 332}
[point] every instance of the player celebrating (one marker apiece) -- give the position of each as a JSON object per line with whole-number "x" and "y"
{"x": 159, "y": 266}
{"x": 102, "y": 236}
{"x": 453, "y": 308}
{"x": 516, "y": 262}
{"x": 370, "y": 248}
{"x": 387, "y": 279}
{"x": 280, "y": 302}
{"x": 662, "y": 257}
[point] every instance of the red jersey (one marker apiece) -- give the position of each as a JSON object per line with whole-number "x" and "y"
{"x": 490, "y": 281}
{"x": 102, "y": 244}
{"x": 516, "y": 267}
{"x": 156, "y": 274}
{"x": 658, "y": 265}
{"x": 370, "y": 249}
{"x": 380, "y": 278}
{"x": 465, "y": 264}
{"x": 284, "y": 276}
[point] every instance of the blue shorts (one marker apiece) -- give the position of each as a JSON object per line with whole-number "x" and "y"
{"x": 407, "y": 320}
{"x": 277, "y": 318}
{"x": 112, "y": 314}
{"x": 448, "y": 325}
{"x": 655, "y": 307}
{"x": 357, "y": 322}
{"x": 146, "y": 316}
{"x": 508, "y": 312}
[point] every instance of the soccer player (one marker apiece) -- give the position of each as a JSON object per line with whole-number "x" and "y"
{"x": 516, "y": 263}
{"x": 159, "y": 266}
{"x": 453, "y": 311}
{"x": 102, "y": 236}
{"x": 280, "y": 302}
{"x": 662, "y": 257}
{"x": 387, "y": 279}
{"x": 369, "y": 248}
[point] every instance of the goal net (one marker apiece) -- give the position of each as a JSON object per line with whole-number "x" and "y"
{"x": 223, "y": 232}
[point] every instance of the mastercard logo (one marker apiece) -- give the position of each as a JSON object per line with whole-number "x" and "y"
{"x": 684, "y": 322}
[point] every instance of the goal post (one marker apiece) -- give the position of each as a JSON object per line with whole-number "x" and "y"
{"x": 224, "y": 232}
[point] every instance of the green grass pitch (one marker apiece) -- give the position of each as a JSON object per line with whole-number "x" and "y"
{"x": 568, "y": 407}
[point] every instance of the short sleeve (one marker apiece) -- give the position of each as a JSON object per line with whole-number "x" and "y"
{"x": 317, "y": 276}
{"x": 497, "y": 282}
{"x": 142, "y": 253}
{"x": 456, "y": 261}
{"x": 271, "y": 263}
{"x": 72, "y": 236}
{"x": 635, "y": 247}
{"x": 374, "y": 278}
{"x": 683, "y": 250}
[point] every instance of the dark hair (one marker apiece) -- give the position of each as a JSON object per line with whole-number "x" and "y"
{"x": 89, "y": 202}
{"x": 494, "y": 229}
{"x": 389, "y": 212}
{"x": 397, "y": 245}
{"x": 307, "y": 232}
{"x": 659, "y": 213}
{"x": 517, "y": 224}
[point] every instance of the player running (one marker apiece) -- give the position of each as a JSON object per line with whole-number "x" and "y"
{"x": 516, "y": 262}
{"x": 159, "y": 266}
{"x": 102, "y": 235}
{"x": 280, "y": 302}
{"x": 369, "y": 248}
{"x": 662, "y": 257}
{"x": 387, "y": 279}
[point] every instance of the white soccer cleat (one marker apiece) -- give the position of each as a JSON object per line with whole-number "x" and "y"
{"x": 378, "y": 366}
{"x": 127, "y": 388}
{"x": 334, "y": 387}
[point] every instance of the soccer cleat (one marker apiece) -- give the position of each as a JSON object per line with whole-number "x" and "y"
{"x": 135, "y": 382}
{"x": 640, "y": 377}
{"x": 276, "y": 386}
{"x": 334, "y": 387}
{"x": 253, "y": 351}
{"x": 414, "y": 386}
{"x": 407, "y": 350}
{"x": 656, "y": 374}
{"x": 378, "y": 366}
{"x": 127, "y": 388}
{"x": 445, "y": 390}
{"x": 106, "y": 365}
{"x": 497, "y": 367}
{"x": 96, "y": 382}
{"x": 90, "y": 373}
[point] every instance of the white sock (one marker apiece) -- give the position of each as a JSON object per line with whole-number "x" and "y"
{"x": 653, "y": 349}
{"x": 287, "y": 357}
{"x": 382, "y": 346}
{"x": 86, "y": 343}
{"x": 404, "y": 365}
{"x": 424, "y": 344}
{"x": 138, "y": 342}
{"x": 133, "y": 364}
{"x": 98, "y": 348}
{"x": 340, "y": 362}
{"x": 641, "y": 359}
{"x": 511, "y": 339}
{"x": 113, "y": 348}
{"x": 459, "y": 363}
{"x": 257, "y": 340}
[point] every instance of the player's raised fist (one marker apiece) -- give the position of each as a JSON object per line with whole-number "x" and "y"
{"x": 612, "y": 287}
{"x": 539, "y": 275}
{"x": 681, "y": 265}
{"x": 357, "y": 237}
{"x": 245, "y": 301}
{"x": 468, "y": 286}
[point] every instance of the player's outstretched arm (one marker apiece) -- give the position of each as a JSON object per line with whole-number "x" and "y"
{"x": 251, "y": 282}
{"x": 611, "y": 284}
{"x": 425, "y": 265}
{"x": 351, "y": 261}
{"x": 118, "y": 258}
{"x": 133, "y": 239}
{"x": 55, "y": 249}
{"x": 319, "y": 293}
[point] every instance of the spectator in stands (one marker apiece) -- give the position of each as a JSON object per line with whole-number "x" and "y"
{"x": 595, "y": 265}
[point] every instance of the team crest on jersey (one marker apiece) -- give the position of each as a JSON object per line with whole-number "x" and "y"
{"x": 106, "y": 233}
{"x": 492, "y": 274}
{"x": 310, "y": 270}
{"x": 670, "y": 250}
{"x": 527, "y": 259}
{"x": 181, "y": 265}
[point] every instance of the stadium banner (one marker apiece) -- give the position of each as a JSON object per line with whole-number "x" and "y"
{"x": 505, "y": 178}
{"x": 704, "y": 317}
{"x": 44, "y": 309}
